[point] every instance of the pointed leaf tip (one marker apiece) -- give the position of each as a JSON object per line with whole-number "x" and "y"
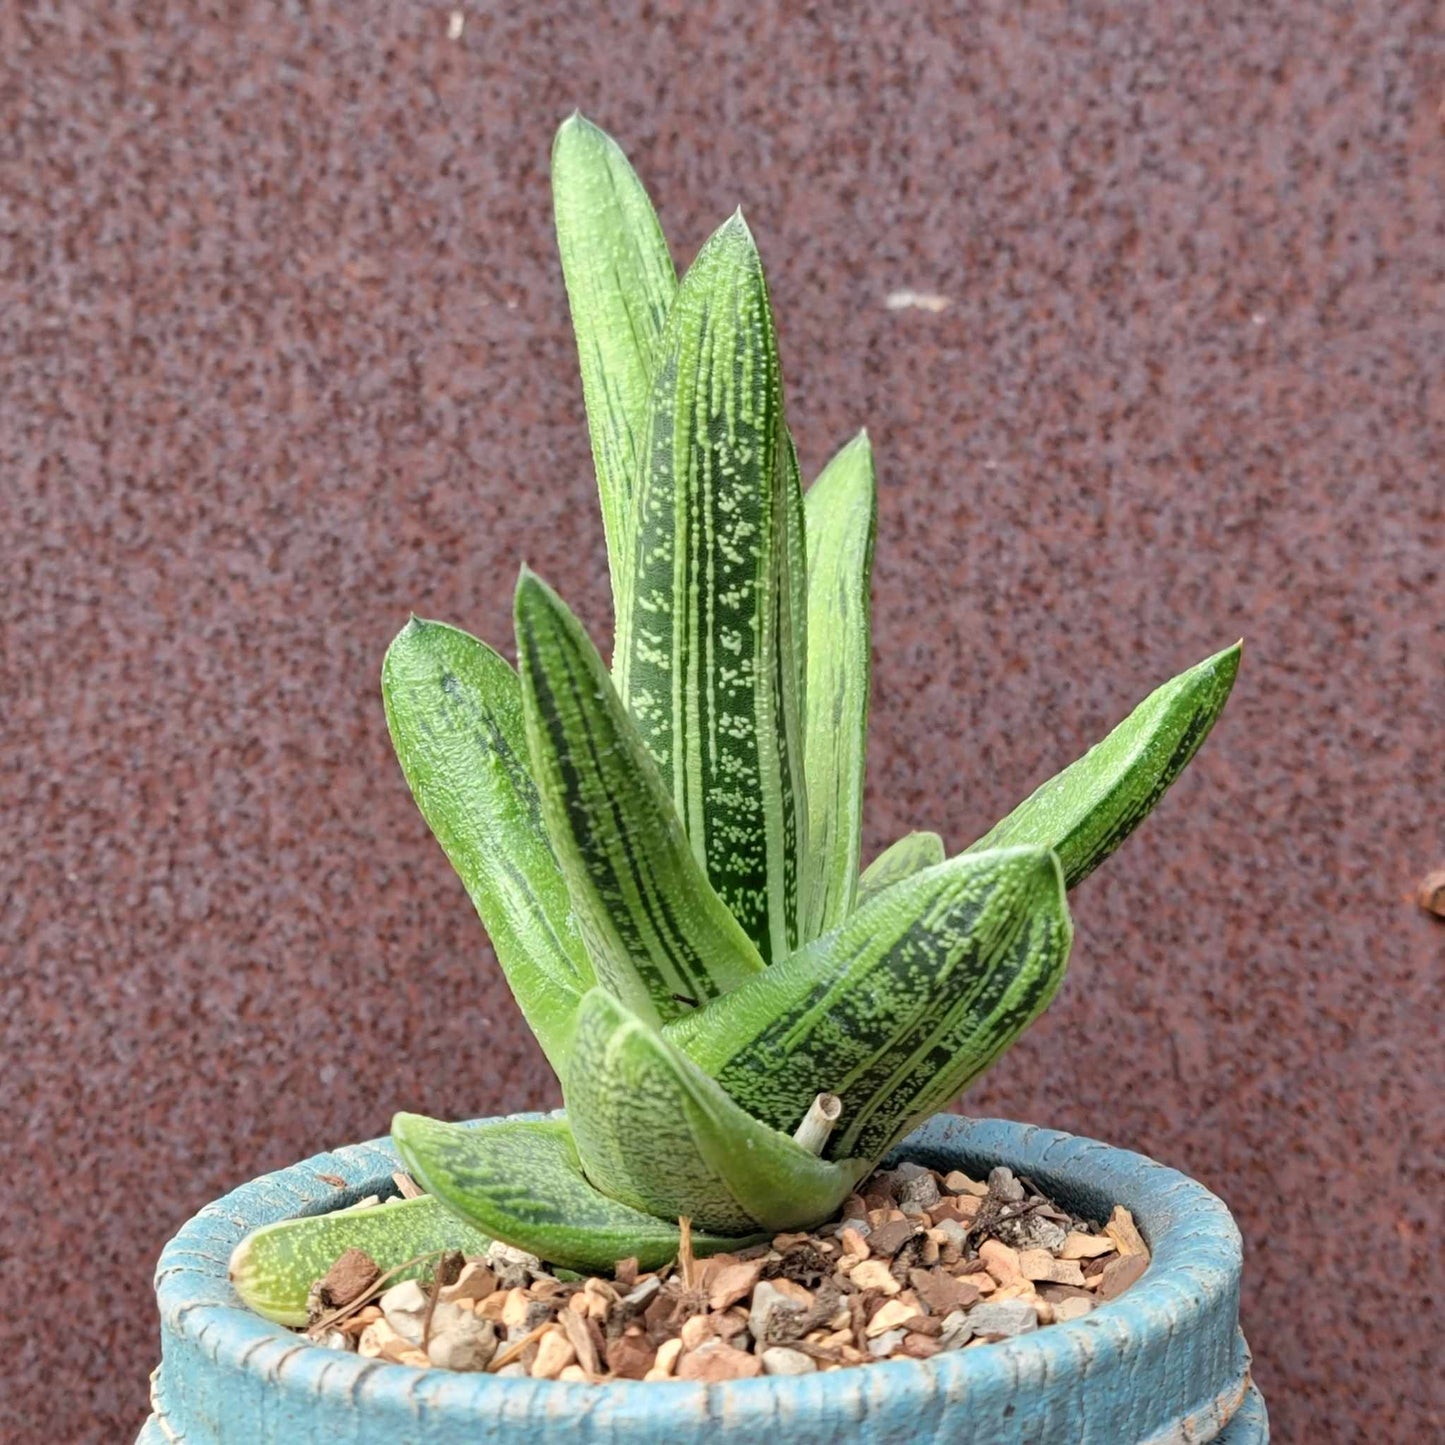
{"x": 1086, "y": 811}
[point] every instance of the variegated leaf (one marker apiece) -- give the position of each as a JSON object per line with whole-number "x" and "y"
{"x": 520, "y": 1181}
{"x": 1087, "y": 810}
{"x": 912, "y": 853}
{"x": 620, "y": 283}
{"x": 842, "y": 516}
{"x": 653, "y": 1131}
{"x": 659, "y": 936}
{"x": 454, "y": 709}
{"x": 705, "y": 654}
{"x": 905, "y": 1001}
{"x": 274, "y": 1267}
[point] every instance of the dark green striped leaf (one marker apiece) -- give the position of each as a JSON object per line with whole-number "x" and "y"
{"x": 274, "y": 1267}
{"x": 1087, "y": 810}
{"x": 659, "y": 936}
{"x": 912, "y": 853}
{"x": 454, "y": 709}
{"x": 842, "y": 516}
{"x": 620, "y": 283}
{"x": 653, "y": 1131}
{"x": 705, "y": 653}
{"x": 900, "y": 1006}
{"x": 520, "y": 1181}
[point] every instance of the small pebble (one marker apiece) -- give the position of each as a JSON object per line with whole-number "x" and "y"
{"x": 780, "y": 1361}
{"x": 1003, "y": 1186}
{"x": 1004, "y": 1319}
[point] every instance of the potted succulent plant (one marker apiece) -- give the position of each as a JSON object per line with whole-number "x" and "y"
{"x": 665, "y": 854}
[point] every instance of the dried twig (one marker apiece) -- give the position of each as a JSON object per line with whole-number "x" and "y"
{"x": 513, "y": 1352}
{"x": 685, "y": 1259}
{"x": 408, "y": 1186}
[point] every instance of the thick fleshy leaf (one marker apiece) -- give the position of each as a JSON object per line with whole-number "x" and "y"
{"x": 274, "y": 1267}
{"x": 520, "y": 1181}
{"x": 842, "y": 516}
{"x": 1087, "y": 810}
{"x": 620, "y": 283}
{"x": 653, "y": 1131}
{"x": 705, "y": 654}
{"x": 454, "y": 708}
{"x": 900, "y": 1006}
{"x": 911, "y": 854}
{"x": 658, "y": 934}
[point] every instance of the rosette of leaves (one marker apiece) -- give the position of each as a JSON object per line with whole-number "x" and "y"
{"x": 665, "y": 852}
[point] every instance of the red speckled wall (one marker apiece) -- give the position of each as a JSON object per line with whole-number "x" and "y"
{"x": 284, "y": 355}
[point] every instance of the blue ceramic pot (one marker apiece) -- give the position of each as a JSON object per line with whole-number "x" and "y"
{"x": 1164, "y": 1364}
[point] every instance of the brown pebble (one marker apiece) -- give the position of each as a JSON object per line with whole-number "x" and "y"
{"x": 855, "y": 1244}
{"x": 958, "y": 1182}
{"x": 889, "y": 1316}
{"x": 1122, "y": 1230}
{"x": 1039, "y": 1264}
{"x": 348, "y": 1279}
{"x": 733, "y": 1283}
{"x": 554, "y": 1354}
{"x": 941, "y": 1292}
{"x": 874, "y": 1274}
{"x": 630, "y": 1356}
{"x": 919, "y": 1346}
{"x": 1000, "y": 1261}
{"x": 715, "y": 1362}
{"x": 1120, "y": 1273}
{"x": 474, "y": 1283}
{"x": 888, "y": 1239}
{"x": 1085, "y": 1246}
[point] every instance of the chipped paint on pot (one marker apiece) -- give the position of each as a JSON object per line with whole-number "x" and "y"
{"x": 1165, "y": 1364}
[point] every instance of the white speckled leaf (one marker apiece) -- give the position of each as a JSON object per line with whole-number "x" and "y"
{"x": 912, "y": 853}
{"x": 658, "y": 934}
{"x": 841, "y": 509}
{"x": 898, "y": 1007}
{"x": 454, "y": 708}
{"x": 274, "y": 1267}
{"x": 620, "y": 283}
{"x": 1087, "y": 810}
{"x": 705, "y": 657}
{"x": 653, "y": 1131}
{"x": 519, "y": 1180}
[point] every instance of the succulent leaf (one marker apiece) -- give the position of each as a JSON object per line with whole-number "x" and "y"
{"x": 653, "y": 1131}
{"x": 274, "y": 1267}
{"x": 705, "y": 657}
{"x": 620, "y": 283}
{"x": 520, "y": 1181}
{"x": 659, "y": 936}
{"x": 912, "y": 853}
{"x": 454, "y": 709}
{"x": 1086, "y": 811}
{"x": 905, "y": 1001}
{"x": 842, "y": 513}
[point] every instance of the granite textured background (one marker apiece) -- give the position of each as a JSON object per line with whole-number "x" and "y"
{"x": 284, "y": 354}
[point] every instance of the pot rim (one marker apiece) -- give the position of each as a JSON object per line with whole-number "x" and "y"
{"x": 1191, "y": 1284}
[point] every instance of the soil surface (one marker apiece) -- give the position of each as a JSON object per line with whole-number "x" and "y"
{"x": 917, "y": 1263}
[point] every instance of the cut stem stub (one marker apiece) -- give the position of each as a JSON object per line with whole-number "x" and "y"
{"x": 823, "y": 1113}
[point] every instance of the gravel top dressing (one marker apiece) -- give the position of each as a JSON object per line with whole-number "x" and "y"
{"x": 916, "y": 1263}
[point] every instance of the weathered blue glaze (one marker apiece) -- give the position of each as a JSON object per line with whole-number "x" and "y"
{"x": 1163, "y": 1365}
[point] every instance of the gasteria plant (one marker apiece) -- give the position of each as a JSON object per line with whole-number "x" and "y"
{"x": 666, "y": 853}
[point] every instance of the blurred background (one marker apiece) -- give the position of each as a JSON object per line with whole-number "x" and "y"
{"x": 284, "y": 355}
